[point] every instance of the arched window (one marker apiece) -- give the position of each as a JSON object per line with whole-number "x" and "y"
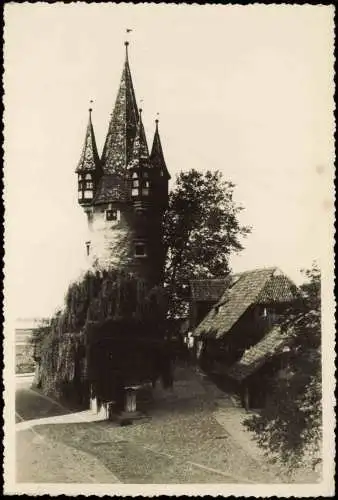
{"x": 88, "y": 195}
{"x": 88, "y": 184}
{"x": 135, "y": 184}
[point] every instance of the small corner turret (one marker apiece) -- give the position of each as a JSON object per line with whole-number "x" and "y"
{"x": 139, "y": 169}
{"x": 89, "y": 168}
{"x": 161, "y": 173}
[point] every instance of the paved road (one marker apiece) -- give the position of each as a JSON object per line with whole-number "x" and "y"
{"x": 40, "y": 459}
{"x": 180, "y": 443}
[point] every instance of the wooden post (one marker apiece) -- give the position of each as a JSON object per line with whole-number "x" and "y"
{"x": 92, "y": 400}
{"x": 103, "y": 412}
{"x": 130, "y": 401}
{"x": 37, "y": 375}
{"x": 246, "y": 398}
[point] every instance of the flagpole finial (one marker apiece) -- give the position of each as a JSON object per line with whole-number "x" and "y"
{"x": 126, "y": 43}
{"x": 90, "y": 106}
{"x": 157, "y": 119}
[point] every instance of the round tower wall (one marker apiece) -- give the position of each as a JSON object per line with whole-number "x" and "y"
{"x": 120, "y": 243}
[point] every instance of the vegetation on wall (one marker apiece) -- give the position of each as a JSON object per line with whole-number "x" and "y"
{"x": 202, "y": 231}
{"x": 112, "y": 301}
{"x": 290, "y": 425}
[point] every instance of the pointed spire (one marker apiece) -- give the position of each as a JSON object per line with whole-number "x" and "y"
{"x": 89, "y": 160}
{"x": 126, "y": 45}
{"x": 118, "y": 146}
{"x": 156, "y": 155}
{"x": 140, "y": 154}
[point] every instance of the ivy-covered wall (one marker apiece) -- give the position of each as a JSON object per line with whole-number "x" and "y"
{"x": 109, "y": 319}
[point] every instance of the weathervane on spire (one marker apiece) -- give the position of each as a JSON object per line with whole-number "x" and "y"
{"x": 157, "y": 117}
{"x": 90, "y": 105}
{"x": 126, "y": 43}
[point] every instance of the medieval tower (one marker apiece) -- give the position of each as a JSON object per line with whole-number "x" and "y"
{"x": 124, "y": 193}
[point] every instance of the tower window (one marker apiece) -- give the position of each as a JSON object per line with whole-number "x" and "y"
{"x": 80, "y": 195}
{"x": 145, "y": 191}
{"x": 88, "y": 195}
{"x": 88, "y": 177}
{"x": 140, "y": 249}
{"x": 80, "y": 185}
{"x": 135, "y": 176}
{"x": 134, "y": 192}
{"x": 136, "y": 183}
{"x": 145, "y": 175}
{"x": 112, "y": 214}
{"x": 89, "y": 185}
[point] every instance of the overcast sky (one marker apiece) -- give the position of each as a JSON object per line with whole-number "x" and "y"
{"x": 245, "y": 90}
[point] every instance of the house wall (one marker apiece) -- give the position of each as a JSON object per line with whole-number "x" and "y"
{"x": 249, "y": 330}
{"x": 198, "y": 311}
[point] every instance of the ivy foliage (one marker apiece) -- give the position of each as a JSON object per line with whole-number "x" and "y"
{"x": 118, "y": 309}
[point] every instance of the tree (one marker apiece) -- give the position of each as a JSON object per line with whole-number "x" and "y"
{"x": 201, "y": 231}
{"x": 289, "y": 426}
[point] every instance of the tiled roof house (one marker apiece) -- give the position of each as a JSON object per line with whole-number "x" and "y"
{"x": 257, "y": 287}
{"x": 240, "y": 333}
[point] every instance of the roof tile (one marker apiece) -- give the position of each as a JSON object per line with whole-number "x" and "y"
{"x": 207, "y": 290}
{"x": 236, "y": 299}
{"x": 118, "y": 146}
{"x": 259, "y": 286}
{"x": 111, "y": 188}
{"x": 257, "y": 355}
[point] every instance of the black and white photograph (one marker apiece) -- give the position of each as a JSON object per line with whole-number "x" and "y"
{"x": 168, "y": 261}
